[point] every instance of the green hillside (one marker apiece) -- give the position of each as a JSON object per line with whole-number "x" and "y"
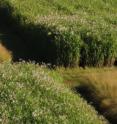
{"x": 35, "y": 95}
{"x": 62, "y": 32}
{"x": 67, "y": 33}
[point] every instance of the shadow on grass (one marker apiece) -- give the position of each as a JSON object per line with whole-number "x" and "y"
{"x": 28, "y": 42}
{"x": 34, "y": 47}
{"x": 13, "y": 44}
{"x": 41, "y": 43}
{"x": 108, "y": 110}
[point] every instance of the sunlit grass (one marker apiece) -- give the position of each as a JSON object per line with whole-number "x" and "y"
{"x": 31, "y": 93}
{"x": 5, "y": 55}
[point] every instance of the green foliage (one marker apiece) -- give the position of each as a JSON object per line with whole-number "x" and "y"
{"x": 93, "y": 21}
{"x": 98, "y": 49}
{"x": 32, "y": 94}
{"x": 68, "y": 49}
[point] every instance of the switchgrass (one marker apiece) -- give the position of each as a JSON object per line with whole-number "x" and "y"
{"x": 31, "y": 93}
{"x": 98, "y": 86}
{"x": 91, "y": 26}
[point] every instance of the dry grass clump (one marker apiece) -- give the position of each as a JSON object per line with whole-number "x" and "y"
{"x": 103, "y": 87}
{"x": 105, "y": 82}
{"x": 5, "y": 55}
{"x": 98, "y": 86}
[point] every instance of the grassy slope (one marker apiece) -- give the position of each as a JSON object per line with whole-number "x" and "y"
{"x": 84, "y": 12}
{"x": 93, "y": 18}
{"x": 100, "y": 8}
{"x": 94, "y": 21}
{"x": 97, "y": 86}
{"x": 33, "y": 94}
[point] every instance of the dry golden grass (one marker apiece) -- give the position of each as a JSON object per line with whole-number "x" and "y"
{"x": 5, "y": 55}
{"x": 103, "y": 79}
{"x": 103, "y": 86}
{"x": 97, "y": 85}
{"x": 105, "y": 82}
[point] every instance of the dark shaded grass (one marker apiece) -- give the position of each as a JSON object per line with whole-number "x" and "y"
{"x": 34, "y": 43}
{"x": 88, "y": 93}
{"x": 13, "y": 44}
{"x": 97, "y": 86}
{"x": 40, "y": 45}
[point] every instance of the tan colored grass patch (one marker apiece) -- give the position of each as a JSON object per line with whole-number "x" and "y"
{"x": 100, "y": 85}
{"x": 5, "y": 55}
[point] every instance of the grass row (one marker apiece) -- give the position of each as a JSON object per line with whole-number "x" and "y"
{"x": 64, "y": 32}
{"x": 98, "y": 86}
{"x": 31, "y": 93}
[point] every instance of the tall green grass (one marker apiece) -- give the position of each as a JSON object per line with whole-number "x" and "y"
{"x": 31, "y": 93}
{"x": 43, "y": 25}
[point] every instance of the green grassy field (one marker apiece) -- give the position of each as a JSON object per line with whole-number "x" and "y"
{"x": 67, "y": 33}
{"x": 31, "y": 93}
{"x": 81, "y": 32}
